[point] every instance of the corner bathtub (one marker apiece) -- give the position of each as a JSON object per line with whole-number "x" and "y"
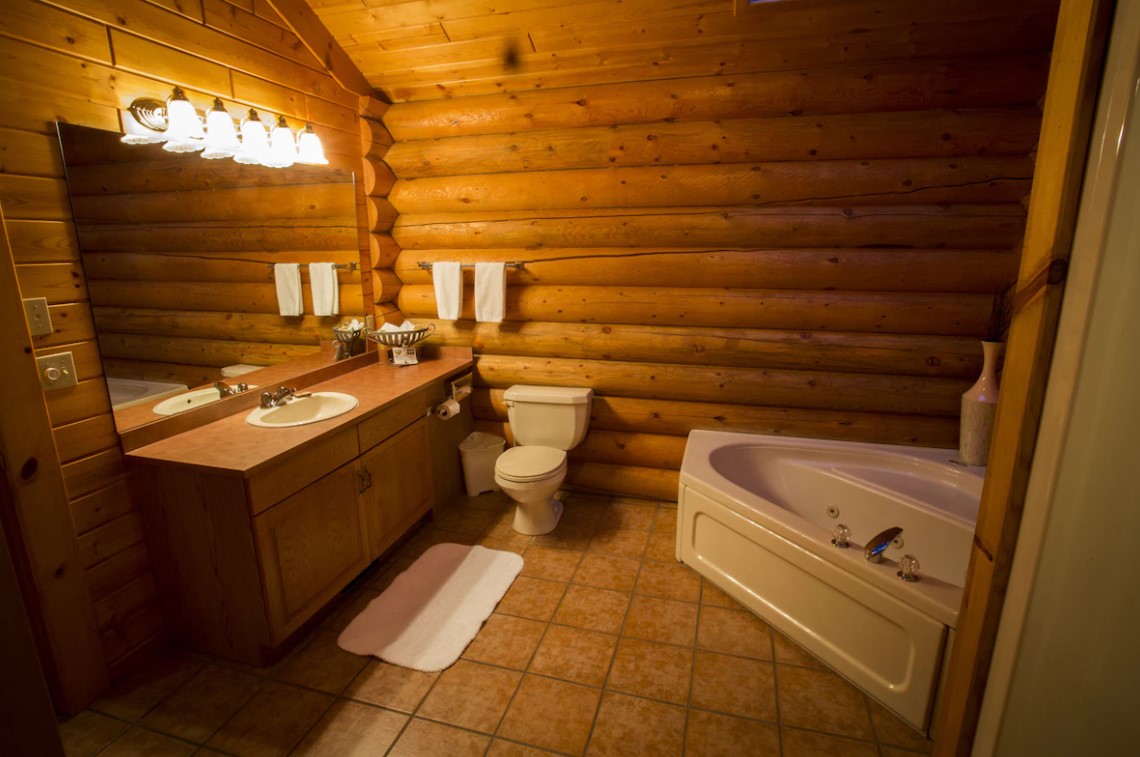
{"x": 129, "y": 392}
{"x": 756, "y": 515}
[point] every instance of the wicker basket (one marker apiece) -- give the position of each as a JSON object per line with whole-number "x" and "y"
{"x": 401, "y": 338}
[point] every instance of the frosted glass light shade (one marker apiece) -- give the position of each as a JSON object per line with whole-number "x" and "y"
{"x": 309, "y": 148}
{"x": 282, "y": 146}
{"x": 254, "y": 141}
{"x": 221, "y": 136}
{"x": 183, "y": 127}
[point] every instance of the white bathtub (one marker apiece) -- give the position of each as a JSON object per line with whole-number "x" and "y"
{"x": 754, "y": 519}
{"x": 128, "y": 392}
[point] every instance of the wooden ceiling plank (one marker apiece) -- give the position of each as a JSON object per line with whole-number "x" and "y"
{"x": 305, "y": 23}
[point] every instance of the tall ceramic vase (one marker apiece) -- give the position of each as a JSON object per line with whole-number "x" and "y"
{"x": 979, "y": 405}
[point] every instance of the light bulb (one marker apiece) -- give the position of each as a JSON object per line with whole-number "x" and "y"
{"x": 254, "y": 140}
{"x": 183, "y": 127}
{"x": 282, "y": 146}
{"x": 309, "y": 148}
{"x": 221, "y": 137}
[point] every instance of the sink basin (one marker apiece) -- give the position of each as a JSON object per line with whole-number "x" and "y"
{"x": 318, "y": 406}
{"x": 180, "y": 403}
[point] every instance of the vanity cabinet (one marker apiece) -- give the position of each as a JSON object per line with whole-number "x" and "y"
{"x": 244, "y": 560}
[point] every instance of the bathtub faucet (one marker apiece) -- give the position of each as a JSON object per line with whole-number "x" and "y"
{"x": 874, "y": 549}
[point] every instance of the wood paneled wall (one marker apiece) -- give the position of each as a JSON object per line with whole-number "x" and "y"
{"x": 82, "y": 61}
{"x": 178, "y": 255}
{"x": 809, "y": 252}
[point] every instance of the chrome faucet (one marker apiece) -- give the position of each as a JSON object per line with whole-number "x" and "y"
{"x": 225, "y": 390}
{"x": 277, "y": 398}
{"x": 874, "y": 549}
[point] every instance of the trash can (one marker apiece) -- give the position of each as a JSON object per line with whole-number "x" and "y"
{"x": 479, "y": 452}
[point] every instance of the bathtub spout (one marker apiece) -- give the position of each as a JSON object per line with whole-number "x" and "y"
{"x": 874, "y": 549}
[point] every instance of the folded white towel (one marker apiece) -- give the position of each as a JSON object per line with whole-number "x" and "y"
{"x": 490, "y": 292}
{"x": 326, "y": 294}
{"x": 448, "y": 280}
{"x": 288, "y": 278}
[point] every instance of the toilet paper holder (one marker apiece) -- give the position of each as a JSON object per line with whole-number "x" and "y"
{"x": 461, "y": 387}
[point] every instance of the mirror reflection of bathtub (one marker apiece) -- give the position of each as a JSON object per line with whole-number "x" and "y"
{"x": 130, "y": 392}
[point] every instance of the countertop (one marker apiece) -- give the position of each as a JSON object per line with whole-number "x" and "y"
{"x": 230, "y": 446}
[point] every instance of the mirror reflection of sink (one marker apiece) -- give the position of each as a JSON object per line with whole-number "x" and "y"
{"x": 180, "y": 403}
{"x": 318, "y": 406}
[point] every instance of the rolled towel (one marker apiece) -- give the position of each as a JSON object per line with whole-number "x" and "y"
{"x": 490, "y": 292}
{"x": 448, "y": 281}
{"x": 288, "y": 279}
{"x": 326, "y": 294}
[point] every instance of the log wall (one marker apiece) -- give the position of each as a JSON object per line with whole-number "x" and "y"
{"x": 807, "y": 252}
{"x": 82, "y": 61}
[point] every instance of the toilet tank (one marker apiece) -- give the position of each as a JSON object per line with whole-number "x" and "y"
{"x": 553, "y": 416}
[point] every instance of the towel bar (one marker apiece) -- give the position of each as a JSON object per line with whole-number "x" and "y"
{"x": 518, "y": 265}
{"x": 350, "y": 266}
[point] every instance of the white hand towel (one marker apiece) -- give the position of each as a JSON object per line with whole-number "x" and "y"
{"x": 448, "y": 280}
{"x": 326, "y": 294}
{"x": 288, "y": 278}
{"x": 490, "y": 292}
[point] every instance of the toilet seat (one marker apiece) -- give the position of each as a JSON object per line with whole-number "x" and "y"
{"x": 530, "y": 463}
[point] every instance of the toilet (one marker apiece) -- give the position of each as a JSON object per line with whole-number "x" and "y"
{"x": 545, "y": 421}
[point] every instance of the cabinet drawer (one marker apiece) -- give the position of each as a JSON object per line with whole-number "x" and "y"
{"x": 393, "y": 418}
{"x": 294, "y": 472}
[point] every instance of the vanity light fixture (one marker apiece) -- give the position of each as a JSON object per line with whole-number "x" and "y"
{"x": 179, "y": 127}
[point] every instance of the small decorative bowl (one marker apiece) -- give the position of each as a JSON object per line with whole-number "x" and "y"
{"x": 401, "y": 338}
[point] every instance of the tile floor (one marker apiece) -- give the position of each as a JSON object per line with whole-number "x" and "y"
{"x": 604, "y": 645}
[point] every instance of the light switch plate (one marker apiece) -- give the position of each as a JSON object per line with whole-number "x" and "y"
{"x": 39, "y": 319}
{"x": 56, "y": 371}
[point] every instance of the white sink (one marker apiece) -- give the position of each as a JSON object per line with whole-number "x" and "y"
{"x": 180, "y": 403}
{"x": 318, "y": 406}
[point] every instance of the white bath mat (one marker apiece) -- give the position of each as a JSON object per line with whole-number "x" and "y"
{"x": 433, "y": 610}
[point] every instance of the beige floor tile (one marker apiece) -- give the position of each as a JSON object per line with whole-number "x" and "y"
{"x": 551, "y": 714}
{"x": 322, "y": 665}
{"x": 272, "y": 722}
{"x": 633, "y": 727}
{"x": 471, "y": 695}
{"x": 662, "y": 547}
{"x": 734, "y": 632}
{"x": 666, "y": 521}
{"x": 422, "y": 738}
{"x": 517, "y": 543}
{"x": 500, "y": 748}
{"x": 661, "y": 620}
{"x": 464, "y": 520}
{"x": 581, "y": 507}
{"x": 205, "y": 702}
{"x": 533, "y": 598}
{"x": 573, "y": 536}
{"x": 607, "y": 572}
{"x": 625, "y": 513}
{"x": 494, "y": 501}
{"x": 799, "y": 743}
{"x": 351, "y": 606}
{"x": 429, "y": 537}
{"x": 575, "y": 654}
{"x": 592, "y": 609}
{"x": 891, "y": 730}
{"x": 551, "y": 564}
{"x": 502, "y": 525}
{"x": 391, "y": 686}
{"x": 734, "y": 686}
{"x": 138, "y": 741}
{"x": 351, "y": 729}
{"x": 791, "y": 653}
{"x": 135, "y": 695}
{"x": 624, "y": 542}
{"x": 88, "y": 732}
{"x": 669, "y": 580}
{"x": 822, "y": 701}
{"x": 890, "y": 751}
{"x": 647, "y": 669}
{"x": 714, "y": 735}
{"x": 506, "y": 640}
{"x": 711, "y": 595}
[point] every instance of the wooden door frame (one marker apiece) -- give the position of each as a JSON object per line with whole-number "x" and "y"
{"x": 1070, "y": 99}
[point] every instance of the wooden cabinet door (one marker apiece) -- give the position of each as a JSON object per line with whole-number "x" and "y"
{"x": 398, "y": 480}
{"x": 310, "y": 546}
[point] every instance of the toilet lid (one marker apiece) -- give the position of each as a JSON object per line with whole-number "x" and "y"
{"x": 530, "y": 462}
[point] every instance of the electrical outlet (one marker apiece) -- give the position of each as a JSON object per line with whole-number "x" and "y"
{"x": 39, "y": 319}
{"x": 56, "y": 371}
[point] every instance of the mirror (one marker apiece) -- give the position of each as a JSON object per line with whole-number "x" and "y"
{"x": 178, "y": 254}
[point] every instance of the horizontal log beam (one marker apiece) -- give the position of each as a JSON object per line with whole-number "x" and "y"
{"x": 328, "y": 202}
{"x": 863, "y": 182}
{"x": 909, "y": 134}
{"x": 982, "y": 82}
{"x": 164, "y": 172}
{"x": 211, "y": 296}
{"x": 629, "y": 480}
{"x": 749, "y": 386}
{"x": 240, "y": 267}
{"x": 882, "y": 312}
{"x": 206, "y": 352}
{"x": 864, "y": 269}
{"x": 918, "y": 226}
{"x": 922, "y": 355}
{"x": 383, "y": 250}
{"x": 222, "y": 236}
{"x": 615, "y": 447}
{"x": 381, "y": 214}
{"x": 196, "y": 324}
{"x": 378, "y": 177}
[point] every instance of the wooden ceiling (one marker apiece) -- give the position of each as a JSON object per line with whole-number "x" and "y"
{"x": 428, "y": 49}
